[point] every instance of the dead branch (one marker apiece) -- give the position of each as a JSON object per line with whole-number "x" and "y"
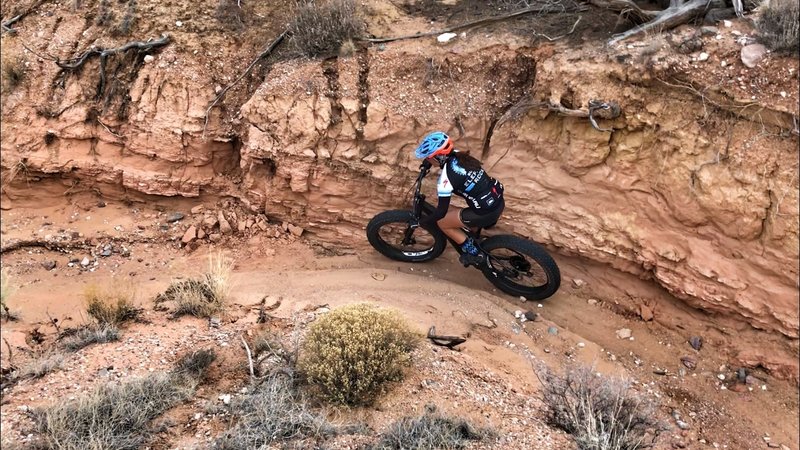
{"x": 249, "y": 357}
{"x": 73, "y": 64}
{"x": 444, "y": 341}
{"x": 10, "y": 353}
{"x": 6, "y": 26}
{"x": 628, "y": 9}
{"x": 50, "y": 245}
{"x": 597, "y": 108}
{"x": 666, "y": 19}
{"x": 54, "y": 322}
{"x": 534, "y": 9}
{"x": 258, "y": 58}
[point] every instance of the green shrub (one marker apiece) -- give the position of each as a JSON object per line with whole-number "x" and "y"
{"x": 350, "y": 353}
{"x": 320, "y": 29}
{"x": 429, "y": 431}
{"x": 778, "y": 25}
{"x": 600, "y": 413}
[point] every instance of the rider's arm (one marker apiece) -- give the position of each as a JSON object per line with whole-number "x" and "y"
{"x": 445, "y": 189}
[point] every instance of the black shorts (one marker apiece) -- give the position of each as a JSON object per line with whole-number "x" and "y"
{"x": 472, "y": 219}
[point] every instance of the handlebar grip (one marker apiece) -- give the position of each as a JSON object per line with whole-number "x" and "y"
{"x": 425, "y": 165}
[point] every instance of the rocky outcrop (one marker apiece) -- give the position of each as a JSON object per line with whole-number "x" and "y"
{"x": 694, "y": 198}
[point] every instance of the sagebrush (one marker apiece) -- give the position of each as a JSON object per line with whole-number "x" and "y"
{"x": 352, "y": 352}
{"x": 88, "y": 335}
{"x": 778, "y": 25}
{"x": 321, "y": 29}
{"x": 601, "y": 413}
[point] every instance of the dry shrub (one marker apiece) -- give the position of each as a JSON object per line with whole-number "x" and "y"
{"x": 86, "y": 336}
{"x": 600, "y": 413}
{"x": 320, "y": 29}
{"x": 7, "y": 289}
{"x": 111, "y": 307}
{"x": 352, "y": 352}
{"x": 271, "y": 412}
{"x": 431, "y": 430}
{"x": 204, "y": 297}
{"x": 229, "y": 14}
{"x": 779, "y": 25}
{"x": 112, "y": 416}
{"x": 13, "y": 72}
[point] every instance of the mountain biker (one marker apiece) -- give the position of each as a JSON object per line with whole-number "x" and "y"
{"x": 463, "y": 175}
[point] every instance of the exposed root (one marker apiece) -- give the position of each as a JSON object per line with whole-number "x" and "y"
{"x": 258, "y": 58}
{"x": 666, "y": 19}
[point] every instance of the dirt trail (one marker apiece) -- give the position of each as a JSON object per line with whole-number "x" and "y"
{"x": 304, "y": 276}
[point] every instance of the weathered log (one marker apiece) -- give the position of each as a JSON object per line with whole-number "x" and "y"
{"x": 667, "y": 19}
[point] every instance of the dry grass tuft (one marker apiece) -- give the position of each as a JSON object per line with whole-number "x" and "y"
{"x": 321, "y": 29}
{"x": 600, "y": 413}
{"x": 111, "y": 307}
{"x": 352, "y": 352}
{"x": 196, "y": 363}
{"x": 40, "y": 366}
{"x": 778, "y": 25}
{"x": 86, "y": 336}
{"x": 112, "y": 416}
{"x": 13, "y": 72}
{"x": 273, "y": 412}
{"x": 431, "y": 430}
{"x": 204, "y": 297}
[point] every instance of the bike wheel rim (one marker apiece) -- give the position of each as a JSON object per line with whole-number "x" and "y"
{"x": 506, "y": 262}
{"x": 392, "y": 235}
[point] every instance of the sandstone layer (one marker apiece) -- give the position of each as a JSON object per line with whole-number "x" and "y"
{"x": 695, "y": 192}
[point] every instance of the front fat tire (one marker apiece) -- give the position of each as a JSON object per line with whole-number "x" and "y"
{"x": 398, "y": 254}
{"x": 533, "y": 251}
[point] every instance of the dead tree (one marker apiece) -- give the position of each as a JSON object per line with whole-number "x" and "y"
{"x": 679, "y": 12}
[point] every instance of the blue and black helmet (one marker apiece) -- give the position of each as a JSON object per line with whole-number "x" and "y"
{"x": 436, "y": 143}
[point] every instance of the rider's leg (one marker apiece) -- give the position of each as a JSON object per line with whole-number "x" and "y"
{"x": 451, "y": 225}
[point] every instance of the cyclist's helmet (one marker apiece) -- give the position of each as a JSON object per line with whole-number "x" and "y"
{"x": 434, "y": 144}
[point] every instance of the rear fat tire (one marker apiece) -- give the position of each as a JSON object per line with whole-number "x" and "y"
{"x": 398, "y": 254}
{"x": 533, "y": 251}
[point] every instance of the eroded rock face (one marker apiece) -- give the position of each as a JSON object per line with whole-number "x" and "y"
{"x": 676, "y": 193}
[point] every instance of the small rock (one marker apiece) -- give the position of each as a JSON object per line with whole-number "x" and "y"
{"x": 660, "y": 372}
{"x": 517, "y": 314}
{"x": 174, "y": 217}
{"x": 445, "y": 37}
{"x": 530, "y": 315}
{"x": 741, "y": 375}
{"x": 689, "y": 362}
{"x": 224, "y": 225}
{"x": 645, "y": 313}
{"x": 101, "y": 204}
{"x": 696, "y": 342}
{"x": 215, "y": 322}
{"x": 709, "y": 31}
{"x": 749, "y": 379}
{"x": 577, "y": 282}
{"x": 624, "y": 333}
{"x": 682, "y": 425}
{"x": 201, "y": 233}
{"x": 179, "y": 24}
{"x": 523, "y": 299}
{"x": 552, "y": 330}
{"x": 753, "y": 54}
{"x": 723, "y": 63}
{"x": 783, "y": 94}
{"x": 85, "y": 261}
{"x": 106, "y": 252}
{"x": 727, "y": 23}
{"x": 189, "y": 235}
{"x": 703, "y": 56}
{"x": 226, "y": 398}
{"x": 49, "y": 265}
{"x": 721, "y": 376}
{"x": 581, "y": 345}
{"x": 198, "y": 209}
{"x": 785, "y": 447}
{"x": 148, "y": 58}
{"x": 592, "y": 301}
{"x": 295, "y": 230}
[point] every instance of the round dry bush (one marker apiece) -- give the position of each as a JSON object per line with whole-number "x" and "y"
{"x": 352, "y": 352}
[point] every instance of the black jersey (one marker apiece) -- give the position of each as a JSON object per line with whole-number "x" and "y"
{"x": 481, "y": 191}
